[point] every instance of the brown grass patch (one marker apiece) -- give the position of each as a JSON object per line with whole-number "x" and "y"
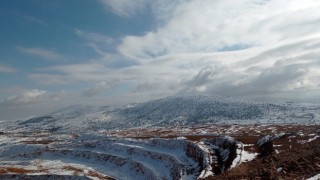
{"x": 38, "y": 142}
{"x": 97, "y": 175}
{"x": 18, "y": 170}
{"x": 75, "y": 170}
{"x": 3, "y": 171}
{"x": 238, "y": 171}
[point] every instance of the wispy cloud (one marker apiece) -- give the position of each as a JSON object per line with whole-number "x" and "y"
{"x": 25, "y": 98}
{"x": 97, "y": 89}
{"x": 42, "y": 53}
{"x": 31, "y": 97}
{"x": 86, "y": 72}
{"x": 94, "y": 37}
{"x": 34, "y": 20}
{"x": 98, "y": 42}
{"x": 125, "y": 8}
{"x": 6, "y": 69}
{"x": 29, "y": 103}
{"x": 194, "y": 27}
{"x": 51, "y": 79}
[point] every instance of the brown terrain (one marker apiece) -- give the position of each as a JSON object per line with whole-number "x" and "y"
{"x": 300, "y": 162}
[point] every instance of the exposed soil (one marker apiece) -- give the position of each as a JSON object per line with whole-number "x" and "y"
{"x": 38, "y": 142}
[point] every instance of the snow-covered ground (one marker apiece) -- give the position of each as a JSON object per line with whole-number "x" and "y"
{"x": 98, "y": 156}
{"x": 243, "y": 156}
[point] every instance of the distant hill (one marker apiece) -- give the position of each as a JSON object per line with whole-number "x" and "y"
{"x": 173, "y": 111}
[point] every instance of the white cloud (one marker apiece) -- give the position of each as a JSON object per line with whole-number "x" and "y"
{"x": 257, "y": 48}
{"x": 25, "y": 98}
{"x": 31, "y": 97}
{"x": 41, "y": 52}
{"x": 209, "y": 26}
{"x": 125, "y": 8}
{"x": 6, "y": 69}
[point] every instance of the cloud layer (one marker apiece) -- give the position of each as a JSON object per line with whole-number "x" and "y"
{"x": 42, "y": 53}
{"x": 246, "y": 48}
{"x": 31, "y": 97}
{"x": 6, "y": 69}
{"x": 125, "y": 8}
{"x": 249, "y": 48}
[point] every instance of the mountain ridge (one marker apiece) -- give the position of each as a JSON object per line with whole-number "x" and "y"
{"x": 174, "y": 111}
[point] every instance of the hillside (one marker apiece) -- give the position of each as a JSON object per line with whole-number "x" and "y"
{"x": 173, "y": 111}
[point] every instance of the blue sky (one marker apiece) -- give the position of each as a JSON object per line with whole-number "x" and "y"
{"x": 113, "y": 52}
{"x": 37, "y": 34}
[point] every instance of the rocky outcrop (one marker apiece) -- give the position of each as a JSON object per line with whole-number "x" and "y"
{"x": 199, "y": 155}
{"x": 225, "y": 150}
{"x": 265, "y": 144}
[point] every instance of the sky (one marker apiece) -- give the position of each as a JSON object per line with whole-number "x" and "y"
{"x": 113, "y": 52}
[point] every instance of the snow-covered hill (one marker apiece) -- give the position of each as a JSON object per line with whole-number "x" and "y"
{"x": 71, "y": 118}
{"x": 173, "y": 111}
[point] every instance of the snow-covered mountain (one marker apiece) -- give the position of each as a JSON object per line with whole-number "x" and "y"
{"x": 173, "y": 111}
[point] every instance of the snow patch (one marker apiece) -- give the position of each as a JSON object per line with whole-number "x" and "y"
{"x": 316, "y": 177}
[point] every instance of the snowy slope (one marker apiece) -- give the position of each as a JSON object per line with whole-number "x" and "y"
{"x": 72, "y": 118}
{"x": 173, "y": 111}
{"x": 111, "y": 157}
